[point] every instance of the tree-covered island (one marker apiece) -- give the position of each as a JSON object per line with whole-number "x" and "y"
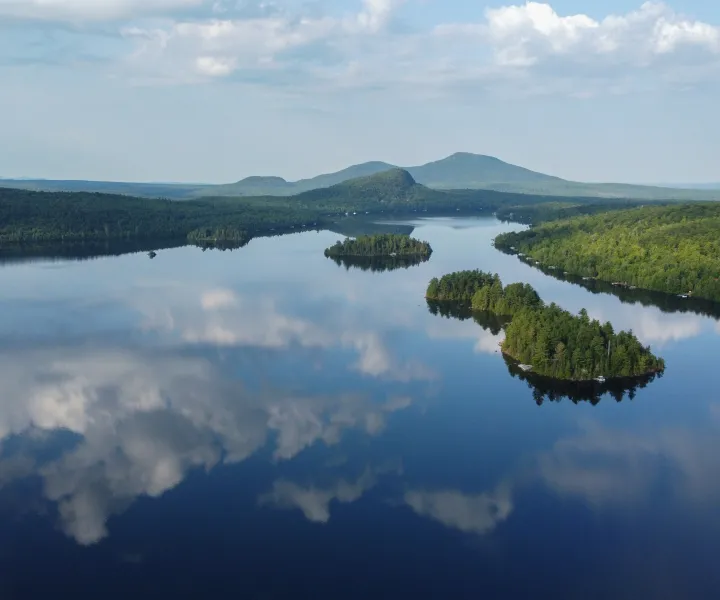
{"x": 545, "y": 338}
{"x": 385, "y": 245}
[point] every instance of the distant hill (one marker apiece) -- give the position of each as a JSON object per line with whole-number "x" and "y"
{"x": 464, "y": 170}
{"x": 456, "y": 172}
{"x": 40, "y": 217}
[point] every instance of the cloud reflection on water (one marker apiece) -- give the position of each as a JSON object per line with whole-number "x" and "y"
{"x": 222, "y": 317}
{"x": 144, "y": 419}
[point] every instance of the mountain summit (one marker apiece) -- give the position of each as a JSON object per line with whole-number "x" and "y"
{"x": 466, "y": 170}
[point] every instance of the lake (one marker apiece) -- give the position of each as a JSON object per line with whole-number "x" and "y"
{"x": 263, "y": 423}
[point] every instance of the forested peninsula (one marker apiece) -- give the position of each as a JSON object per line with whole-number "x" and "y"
{"x": 549, "y": 340}
{"x": 673, "y": 249}
{"x": 381, "y": 245}
{"x": 31, "y": 216}
{"x": 71, "y": 217}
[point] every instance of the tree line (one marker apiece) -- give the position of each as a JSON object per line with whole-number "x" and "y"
{"x": 384, "y": 244}
{"x": 673, "y": 249}
{"x": 553, "y": 341}
{"x": 459, "y": 286}
{"x": 27, "y": 216}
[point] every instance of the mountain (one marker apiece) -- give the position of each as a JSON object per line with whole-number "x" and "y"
{"x": 472, "y": 171}
{"x": 277, "y": 186}
{"x": 461, "y": 170}
{"x": 176, "y": 191}
{"x": 31, "y": 216}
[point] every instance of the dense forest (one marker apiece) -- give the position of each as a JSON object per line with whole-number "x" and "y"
{"x": 534, "y": 214}
{"x": 668, "y": 303}
{"x": 459, "y": 286}
{"x": 384, "y": 244}
{"x": 55, "y": 216}
{"x": 31, "y": 216}
{"x": 673, "y": 249}
{"x": 565, "y": 346}
{"x": 553, "y": 341}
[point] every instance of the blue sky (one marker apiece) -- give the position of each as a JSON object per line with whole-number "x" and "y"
{"x": 216, "y": 90}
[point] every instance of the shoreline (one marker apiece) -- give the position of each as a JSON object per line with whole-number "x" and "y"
{"x": 615, "y": 378}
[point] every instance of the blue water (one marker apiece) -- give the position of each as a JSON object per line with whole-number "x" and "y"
{"x": 263, "y": 423}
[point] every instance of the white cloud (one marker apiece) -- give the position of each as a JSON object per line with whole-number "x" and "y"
{"x": 220, "y": 47}
{"x": 215, "y": 67}
{"x": 264, "y": 44}
{"x": 376, "y": 13}
{"x": 478, "y": 514}
{"x": 525, "y": 35}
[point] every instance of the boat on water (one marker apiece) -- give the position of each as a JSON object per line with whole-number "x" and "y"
{"x": 600, "y": 379}
{"x": 526, "y": 367}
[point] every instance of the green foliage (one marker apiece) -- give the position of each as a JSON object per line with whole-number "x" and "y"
{"x": 561, "y": 345}
{"x": 459, "y": 286}
{"x": 75, "y": 216}
{"x": 387, "y": 244}
{"x": 534, "y": 214}
{"x": 673, "y": 249}
{"x": 505, "y": 301}
{"x": 47, "y": 216}
{"x": 553, "y": 341}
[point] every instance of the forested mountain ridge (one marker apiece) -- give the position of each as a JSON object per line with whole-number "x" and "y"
{"x": 54, "y": 216}
{"x": 27, "y": 215}
{"x": 673, "y": 249}
{"x": 461, "y": 170}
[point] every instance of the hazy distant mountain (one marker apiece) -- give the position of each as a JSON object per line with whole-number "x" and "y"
{"x": 458, "y": 171}
{"x": 464, "y": 170}
{"x": 277, "y": 186}
{"x": 694, "y": 186}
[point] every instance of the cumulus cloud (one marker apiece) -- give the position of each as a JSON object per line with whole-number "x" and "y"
{"x": 527, "y": 34}
{"x": 297, "y": 47}
{"x": 222, "y": 46}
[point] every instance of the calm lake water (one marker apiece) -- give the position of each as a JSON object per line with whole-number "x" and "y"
{"x": 264, "y": 423}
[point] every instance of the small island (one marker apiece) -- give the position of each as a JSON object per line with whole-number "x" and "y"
{"x": 381, "y": 245}
{"x": 220, "y": 238}
{"x": 546, "y": 339}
